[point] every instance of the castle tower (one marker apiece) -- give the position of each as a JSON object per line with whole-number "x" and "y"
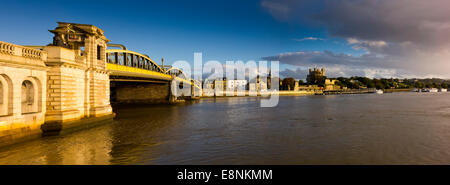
{"x": 315, "y": 75}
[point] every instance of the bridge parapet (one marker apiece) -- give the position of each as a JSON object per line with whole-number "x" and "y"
{"x": 22, "y": 54}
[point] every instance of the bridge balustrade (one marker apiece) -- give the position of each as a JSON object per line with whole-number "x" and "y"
{"x": 7, "y": 48}
{"x": 26, "y": 52}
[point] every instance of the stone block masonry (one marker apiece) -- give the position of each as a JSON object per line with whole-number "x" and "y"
{"x": 150, "y": 93}
{"x": 23, "y": 79}
{"x": 56, "y": 87}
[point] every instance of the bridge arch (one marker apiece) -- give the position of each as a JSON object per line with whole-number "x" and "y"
{"x": 176, "y": 72}
{"x": 132, "y": 59}
{"x": 6, "y": 95}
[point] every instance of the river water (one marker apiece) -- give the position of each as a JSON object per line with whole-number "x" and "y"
{"x": 396, "y": 128}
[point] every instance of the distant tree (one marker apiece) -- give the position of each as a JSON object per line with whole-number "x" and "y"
{"x": 366, "y": 82}
{"x": 321, "y": 81}
{"x": 356, "y": 85}
{"x": 338, "y": 82}
{"x": 301, "y": 82}
{"x": 288, "y": 83}
{"x": 378, "y": 84}
{"x": 436, "y": 85}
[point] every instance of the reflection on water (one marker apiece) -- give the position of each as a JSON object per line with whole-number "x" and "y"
{"x": 399, "y": 128}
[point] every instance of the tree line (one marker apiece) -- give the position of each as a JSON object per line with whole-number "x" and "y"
{"x": 357, "y": 82}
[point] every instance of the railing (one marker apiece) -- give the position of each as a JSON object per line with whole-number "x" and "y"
{"x": 7, "y": 48}
{"x": 132, "y": 59}
{"x": 180, "y": 75}
{"x": 12, "y": 49}
{"x": 31, "y": 53}
{"x": 175, "y": 72}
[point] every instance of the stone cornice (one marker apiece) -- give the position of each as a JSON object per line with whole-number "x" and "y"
{"x": 13, "y": 64}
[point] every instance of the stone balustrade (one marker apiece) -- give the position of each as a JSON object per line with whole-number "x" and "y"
{"x": 16, "y": 50}
{"x": 32, "y": 53}
{"x": 7, "y": 48}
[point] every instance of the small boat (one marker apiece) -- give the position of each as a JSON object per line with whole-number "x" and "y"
{"x": 442, "y": 90}
{"x": 433, "y": 90}
{"x": 379, "y": 91}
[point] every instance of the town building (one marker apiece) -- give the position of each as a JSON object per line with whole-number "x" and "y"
{"x": 330, "y": 85}
{"x": 236, "y": 84}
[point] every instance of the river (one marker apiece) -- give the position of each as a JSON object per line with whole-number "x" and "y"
{"x": 394, "y": 128}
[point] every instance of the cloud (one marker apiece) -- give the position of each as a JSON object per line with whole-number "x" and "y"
{"x": 339, "y": 71}
{"x": 235, "y": 68}
{"x": 406, "y": 36}
{"x": 376, "y": 44}
{"x": 340, "y": 64}
{"x": 277, "y": 9}
{"x": 308, "y": 38}
{"x": 311, "y": 58}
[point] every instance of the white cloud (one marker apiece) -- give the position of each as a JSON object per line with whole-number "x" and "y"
{"x": 307, "y": 38}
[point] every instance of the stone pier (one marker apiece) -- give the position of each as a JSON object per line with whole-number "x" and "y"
{"x": 53, "y": 87}
{"x": 78, "y": 83}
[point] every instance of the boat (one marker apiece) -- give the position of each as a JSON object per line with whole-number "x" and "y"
{"x": 379, "y": 91}
{"x": 442, "y": 90}
{"x": 432, "y": 90}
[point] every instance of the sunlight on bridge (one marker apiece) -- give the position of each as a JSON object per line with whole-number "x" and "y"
{"x": 132, "y": 64}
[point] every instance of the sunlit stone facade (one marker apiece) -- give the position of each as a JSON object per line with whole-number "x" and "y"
{"x": 49, "y": 88}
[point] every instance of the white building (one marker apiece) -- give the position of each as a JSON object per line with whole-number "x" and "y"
{"x": 236, "y": 84}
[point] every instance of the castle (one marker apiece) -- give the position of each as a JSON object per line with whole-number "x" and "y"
{"x": 315, "y": 75}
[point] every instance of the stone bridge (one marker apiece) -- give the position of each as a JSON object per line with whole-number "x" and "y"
{"x": 72, "y": 82}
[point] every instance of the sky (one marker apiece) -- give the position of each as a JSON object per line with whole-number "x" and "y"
{"x": 373, "y": 38}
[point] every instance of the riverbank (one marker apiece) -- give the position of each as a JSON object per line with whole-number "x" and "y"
{"x": 396, "y": 90}
{"x": 247, "y": 93}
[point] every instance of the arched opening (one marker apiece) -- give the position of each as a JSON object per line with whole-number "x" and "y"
{"x": 1, "y": 95}
{"x": 28, "y": 97}
{"x": 5, "y": 95}
{"x": 2, "y": 108}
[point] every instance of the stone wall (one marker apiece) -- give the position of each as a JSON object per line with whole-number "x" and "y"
{"x": 66, "y": 93}
{"x": 126, "y": 92}
{"x": 75, "y": 91}
{"x": 23, "y": 92}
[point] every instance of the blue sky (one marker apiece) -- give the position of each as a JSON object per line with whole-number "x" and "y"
{"x": 221, "y": 30}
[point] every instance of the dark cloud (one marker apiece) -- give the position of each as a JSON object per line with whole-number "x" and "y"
{"x": 417, "y": 21}
{"x": 411, "y": 36}
{"x": 299, "y": 74}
